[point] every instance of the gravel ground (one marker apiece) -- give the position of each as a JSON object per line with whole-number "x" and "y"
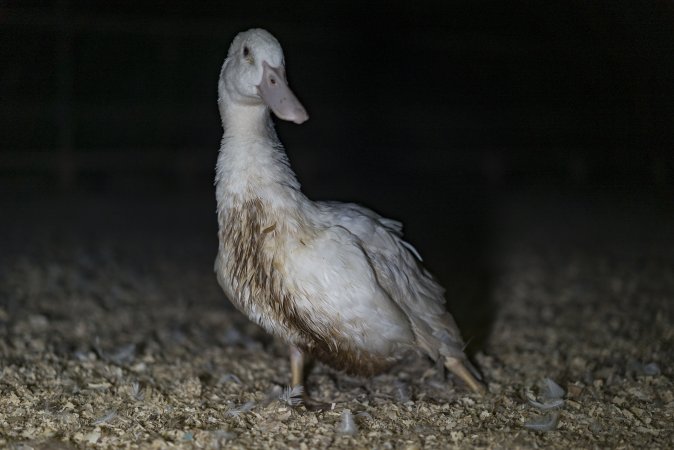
{"x": 114, "y": 334}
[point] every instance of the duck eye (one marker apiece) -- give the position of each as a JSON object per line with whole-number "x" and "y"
{"x": 246, "y": 52}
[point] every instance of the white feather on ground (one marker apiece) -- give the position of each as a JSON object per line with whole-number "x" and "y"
{"x": 347, "y": 426}
{"x": 551, "y": 395}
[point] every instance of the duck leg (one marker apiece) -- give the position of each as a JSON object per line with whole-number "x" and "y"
{"x": 297, "y": 363}
{"x": 458, "y": 368}
{"x": 296, "y": 366}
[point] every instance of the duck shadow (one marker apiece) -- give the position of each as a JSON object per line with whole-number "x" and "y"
{"x": 461, "y": 258}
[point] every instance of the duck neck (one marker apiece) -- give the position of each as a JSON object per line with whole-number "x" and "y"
{"x": 246, "y": 120}
{"x": 252, "y": 163}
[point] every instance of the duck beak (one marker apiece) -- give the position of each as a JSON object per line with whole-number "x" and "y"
{"x": 277, "y": 95}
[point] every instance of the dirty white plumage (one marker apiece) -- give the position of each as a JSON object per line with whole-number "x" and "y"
{"x": 335, "y": 280}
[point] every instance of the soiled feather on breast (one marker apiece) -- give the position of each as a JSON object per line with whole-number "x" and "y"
{"x": 398, "y": 272}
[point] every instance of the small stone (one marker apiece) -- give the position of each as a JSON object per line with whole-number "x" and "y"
{"x": 618, "y": 400}
{"x": 457, "y": 436}
{"x": 573, "y": 390}
{"x": 92, "y": 437}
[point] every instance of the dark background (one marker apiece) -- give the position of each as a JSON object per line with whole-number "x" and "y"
{"x": 99, "y": 96}
{"x": 435, "y": 113}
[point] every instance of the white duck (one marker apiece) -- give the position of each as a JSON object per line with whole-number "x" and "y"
{"x": 334, "y": 280}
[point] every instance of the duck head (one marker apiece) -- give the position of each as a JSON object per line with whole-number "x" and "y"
{"x": 254, "y": 74}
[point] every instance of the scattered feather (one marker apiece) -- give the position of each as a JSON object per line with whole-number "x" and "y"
{"x": 136, "y": 391}
{"x": 111, "y": 415}
{"x": 81, "y": 355}
{"x": 402, "y": 392}
{"x": 98, "y": 349}
{"x": 549, "y": 404}
{"x": 650, "y": 369}
{"x": 347, "y": 426}
{"x": 228, "y": 377}
{"x": 546, "y": 423}
{"x": 99, "y": 386}
{"x": 292, "y": 396}
{"x": 246, "y": 407}
{"x": 437, "y": 385}
{"x": 551, "y": 390}
{"x": 550, "y": 396}
{"x": 123, "y": 355}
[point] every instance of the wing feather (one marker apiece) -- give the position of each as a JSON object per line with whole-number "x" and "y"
{"x": 337, "y": 284}
{"x": 397, "y": 270}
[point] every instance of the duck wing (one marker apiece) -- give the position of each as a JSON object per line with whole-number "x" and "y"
{"x": 351, "y": 319}
{"x": 396, "y": 266}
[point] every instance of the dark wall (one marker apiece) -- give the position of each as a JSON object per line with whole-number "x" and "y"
{"x": 112, "y": 95}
